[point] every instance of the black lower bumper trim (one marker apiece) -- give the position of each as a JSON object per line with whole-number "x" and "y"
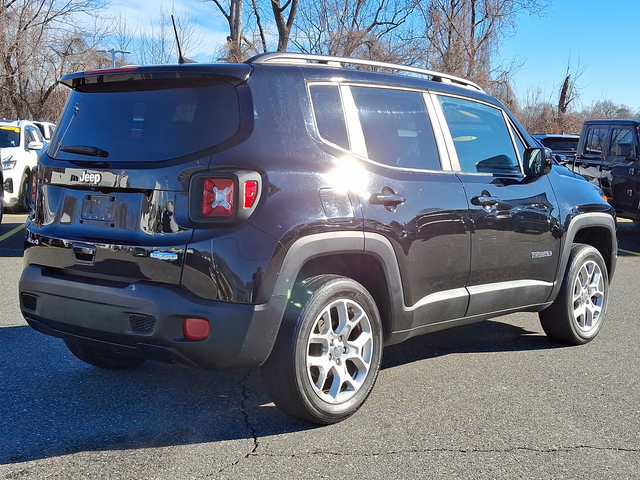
{"x": 124, "y": 344}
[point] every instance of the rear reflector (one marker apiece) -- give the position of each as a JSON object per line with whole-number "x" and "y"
{"x": 250, "y": 193}
{"x": 195, "y": 328}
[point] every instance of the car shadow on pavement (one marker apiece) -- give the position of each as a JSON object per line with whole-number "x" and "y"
{"x": 486, "y": 336}
{"x": 53, "y": 404}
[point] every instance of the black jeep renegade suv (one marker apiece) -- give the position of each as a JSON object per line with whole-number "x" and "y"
{"x": 297, "y": 214}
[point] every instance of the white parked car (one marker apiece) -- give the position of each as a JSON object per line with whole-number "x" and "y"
{"x": 20, "y": 144}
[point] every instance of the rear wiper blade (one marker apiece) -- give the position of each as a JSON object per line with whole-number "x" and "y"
{"x": 85, "y": 150}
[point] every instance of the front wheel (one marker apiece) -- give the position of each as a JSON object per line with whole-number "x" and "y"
{"x": 101, "y": 358}
{"x": 328, "y": 352}
{"x": 577, "y": 314}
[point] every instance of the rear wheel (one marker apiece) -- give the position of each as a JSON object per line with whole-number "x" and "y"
{"x": 328, "y": 353}
{"x": 577, "y": 314}
{"x": 101, "y": 358}
{"x": 25, "y": 195}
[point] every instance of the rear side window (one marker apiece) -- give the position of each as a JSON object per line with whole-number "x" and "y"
{"x": 146, "y": 122}
{"x": 480, "y": 136}
{"x": 329, "y": 114}
{"x": 622, "y": 143}
{"x": 594, "y": 144}
{"x": 396, "y": 127}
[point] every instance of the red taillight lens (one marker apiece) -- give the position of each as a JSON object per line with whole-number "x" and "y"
{"x": 250, "y": 193}
{"x": 223, "y": 196}
{"x": 218, "y": 197}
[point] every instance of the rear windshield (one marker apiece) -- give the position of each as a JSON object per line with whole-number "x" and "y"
{"x": 560, "y": 143}
{"x": 146, "y": 123}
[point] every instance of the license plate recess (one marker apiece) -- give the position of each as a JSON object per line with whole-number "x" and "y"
{"x": 98, "y": 207}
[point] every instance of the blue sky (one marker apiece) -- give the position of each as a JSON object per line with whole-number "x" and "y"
{"x": 602, "y": 35}
{"x": 213, "y": 28}
{"x": 599, "y": 36}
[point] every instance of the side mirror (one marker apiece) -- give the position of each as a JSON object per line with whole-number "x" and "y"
{"x": 560, "y": 158}
{"x": 536, "y": 162}
{"x": 35, "y": 146}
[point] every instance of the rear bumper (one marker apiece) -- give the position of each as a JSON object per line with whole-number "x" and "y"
{"x": 146, "y": 320}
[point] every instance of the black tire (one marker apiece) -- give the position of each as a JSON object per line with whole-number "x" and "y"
{"x": 25, "y": 193}
{"x": 101, "y": 358}
{"x": 319, "y": 331}
{"x": 1, "y": 206}
{"x": 577, "y": 314}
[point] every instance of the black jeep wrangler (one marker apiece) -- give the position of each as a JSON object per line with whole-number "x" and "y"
{"x": 298, "y": 215}
{"x": 609, "y": 156}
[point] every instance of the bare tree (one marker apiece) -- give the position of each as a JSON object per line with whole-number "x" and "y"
{"x": 231, "y": 10}
{"x": 608, "y": 109}
{"x": 568, "y": 94}
{"x": 284, "y": 16}
{"x": 40, "y": 40}
{"x": 156, "y": 43}
{"x": 371, "y": 29}
{"x": 463, "y": 36}
{"x": 124, "y": 39}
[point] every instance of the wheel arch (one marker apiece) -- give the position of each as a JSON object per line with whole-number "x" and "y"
{"x": 368, "y": 259}
{"x": 595, "y": 229}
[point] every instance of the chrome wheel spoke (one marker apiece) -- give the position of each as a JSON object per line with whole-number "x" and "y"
{"x": 588, "y": 296}
{"x": 339, "y": 351}
{"x": 321, "y": 367}
{"x": 343, "y": 385}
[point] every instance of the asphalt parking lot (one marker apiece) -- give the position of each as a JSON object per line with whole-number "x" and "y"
{"x": 12, "y": 235}
{"x": 490, "y": 400}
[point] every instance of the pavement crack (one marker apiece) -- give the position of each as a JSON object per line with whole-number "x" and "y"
{"x": 458, "y": 450}
{"x": 243, "y": 411}
{"x": 245, "y": 414}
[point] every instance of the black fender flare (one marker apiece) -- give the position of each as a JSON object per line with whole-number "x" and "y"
{"x": 320, "y": 244}
{"x": 586, "y": 220}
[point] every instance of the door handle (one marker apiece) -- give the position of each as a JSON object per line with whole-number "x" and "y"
{"x": 485, "y": 200}
{"x": 387, "y": 199}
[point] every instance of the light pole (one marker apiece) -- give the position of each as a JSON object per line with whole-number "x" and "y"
{"x": 113, "y": 52}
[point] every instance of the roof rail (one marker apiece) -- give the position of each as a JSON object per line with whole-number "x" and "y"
{"x": 286, "y": 58}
